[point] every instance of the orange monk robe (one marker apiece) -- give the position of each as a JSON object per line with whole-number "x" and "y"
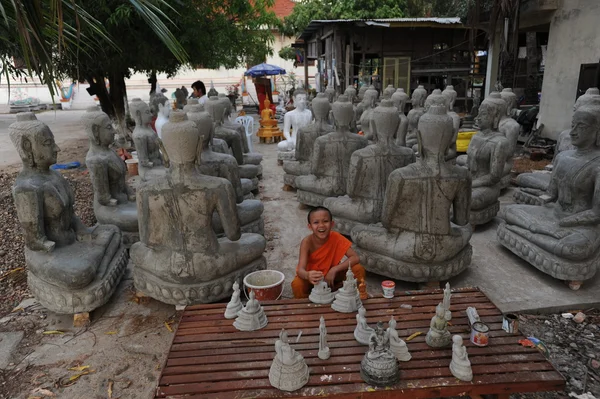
{"x": 323, "y": 259}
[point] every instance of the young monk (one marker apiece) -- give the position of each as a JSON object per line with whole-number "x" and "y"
{"x": 321, "y": 255}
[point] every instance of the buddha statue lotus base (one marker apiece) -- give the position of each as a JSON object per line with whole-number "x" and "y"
{"x": 309, "y": 198}
{"x": 412, "y": 271}
{"x": 191, "y": 293}
{"x": 564, "y": 269}
{"x": 485, "y": 215}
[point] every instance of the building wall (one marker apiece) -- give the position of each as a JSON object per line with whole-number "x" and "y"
{"x": 574, "y": 40}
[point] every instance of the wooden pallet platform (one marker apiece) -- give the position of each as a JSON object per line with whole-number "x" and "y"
{"x": 209, "y": 358}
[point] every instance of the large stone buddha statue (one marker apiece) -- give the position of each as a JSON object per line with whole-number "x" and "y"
{"x": 369, "y": 171}
{"x": 424, "y": 233}
{"x": 147, "y": 143}
{"x": 114, "y": 200}
{"x": 366, "y": 118}
{"x": 212, "y": 163}
{"x": 399, "y": 99}
{"x": 418, "y": 103}
{"x": 331, "y": 159}
{"x": 562, "y": 238}
{"x": 510, "y": 128}
{"x": 71, "y": 268}
{"x": 306, "y": 140}
{"x": 487, "y": 155}
{"x": 450, "y": 94}
{"x": 179, "y": 259}
{"x": 293, "y": 121}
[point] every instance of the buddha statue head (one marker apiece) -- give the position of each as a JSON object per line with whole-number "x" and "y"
{"x": 330, "y": 93}
{"x": 300, "y": 99}
{"x": 369, "y": 98}
{"x": 418, "y": 97}
{"x": 343, "y": 111}
{"x": 34, "y": 141}
{"x": 510, "y": 98}
{"x": 226, "y": 104}
{"x": 436, "y": 98}
{"x": 191, "y": 101}
{"x": 140, "y": 112}
{"x": 450, "y": 95}
{"x": 435, "y": 132}
{"x": 392, "y": 323}
{"x": 181, "y": 139}
{"x": 387, "y": 93}
{"x": 585, "y": 126}
{"x": 386, "y": 120}
{"x": 351, "y": 93}
{"x": 216, "y": 108}
{"x": 157, "y": 99}
{"x": 399, "y": 99}
{"x": 321, "y": 107}
{"x": 589, "y": 93}
{"x": 203, "y": 122}
{"x": 98, "y": 127}
{"x": 361, "y": 91}
{"x": 267, "y": 104}
{"x": 489, "y": 114}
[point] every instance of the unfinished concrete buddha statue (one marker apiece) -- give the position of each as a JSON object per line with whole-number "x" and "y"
{"x": 351, "y": 93}
{"x": 157, "y": 99}
{"x": 164, "y": 110}
{"x": 388, "y": 91}
{"x": 179, "y": 259}
{"x": 534, "y": 185}
{"x": 212, "y": 163}
{"x": 510, "y": 128}
{"x": 359, "y": 106}
{"x": 366, "y": 118}
{"x": 293, "y": 121}
{"x": 450, "y": 94}
{"x": 331, "y": 159}
{"x": 71, "y": 268}
{"x": 487, "y": 155}
{"x": 399, "y": 99}
{"x": 424, "y": 233}
{"x": 368, "y": 174}
{"x": 147, "y": 143}
{"x": 418, "y": 103}
{"x": 114, "y": 200}
{"x": 306, "y": 140}
{"x": 562, "y": 238}
{"x": 330, "y": 93}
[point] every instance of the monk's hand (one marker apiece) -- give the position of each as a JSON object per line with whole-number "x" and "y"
{"x": 330, "y": 277}
{"x": 315, "y": 276}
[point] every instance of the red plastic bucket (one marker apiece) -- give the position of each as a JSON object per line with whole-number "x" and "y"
{"x": 266, "y": 284}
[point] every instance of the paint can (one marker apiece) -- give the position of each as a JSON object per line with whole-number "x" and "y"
{"x": 480, "y": 334}
{"x": 510, "y": 323}
{"x": 388, "y": 288}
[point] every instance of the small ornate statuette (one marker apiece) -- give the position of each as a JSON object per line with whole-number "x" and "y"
{"x": 362, "y": 332}
{"x": 252, "y": 316}
{"x": 347, "y": 299}
{"x": 397, "y": 345}
{"x": 324, "y": 352}
{"x": 446, "y": 303}
{"x": 362, "y": 290}
{"x": 379, "y": 366}
{"x": 460, "y": 366}
{"x": 234, "y": 305}
{"x": 321, "y": 293}
{"x": 289, "y": 371}
{"x": 438, "y": 335}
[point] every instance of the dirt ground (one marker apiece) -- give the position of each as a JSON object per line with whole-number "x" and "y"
{"x": 121, "y": 353}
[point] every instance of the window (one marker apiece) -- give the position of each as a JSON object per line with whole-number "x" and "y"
{"x": 396, "y": 72}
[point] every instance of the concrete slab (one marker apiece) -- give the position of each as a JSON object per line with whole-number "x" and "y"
{"x": 511, "y": 283}
{"x": 9, "y": 341}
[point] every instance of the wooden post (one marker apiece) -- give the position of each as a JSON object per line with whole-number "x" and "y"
{"x": 306, "y": 66}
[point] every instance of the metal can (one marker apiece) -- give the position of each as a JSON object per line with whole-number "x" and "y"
{"x": 510, "y": 323}
{"x": 388, "y": 288}
{"x": 480, "y": 334}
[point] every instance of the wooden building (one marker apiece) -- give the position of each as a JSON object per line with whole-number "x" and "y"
{"x": 403, "y": 52}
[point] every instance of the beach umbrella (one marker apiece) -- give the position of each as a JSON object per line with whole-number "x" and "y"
{"x": 264, "y": 70}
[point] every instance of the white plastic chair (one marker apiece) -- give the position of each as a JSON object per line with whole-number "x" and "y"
{"x": 248, "y": 123}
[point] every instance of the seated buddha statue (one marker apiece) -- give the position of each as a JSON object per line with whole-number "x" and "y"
{"x": 366, "y": 118}
{"x": 147, "y": 143}
{"x": 510, "y": 128}
{"x": 399, "y": 99}
{"x": 358, "y": 110}
{"x": 306, "y": 140}
{"x": 268, "y": 125}
{"x": 212, "y": 163}
{"x": 114, "y": 200}
{"x": 562, "y": 237}
{"x": 71, "y": 268}
{"x": 418, "y": 102}
{"x": 293, "y": 121}
{"x": 179, "y": 258}
{"x": 486, "y": 156}
{"x": 368, "y": 174}
{"x": 533, "y": 185}
{"x": 331, "y": 158}
{"x": 424, "y": 233}
{"x": 450, "y": 94}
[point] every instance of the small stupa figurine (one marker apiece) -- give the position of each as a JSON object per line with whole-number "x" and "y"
{"x": 289, "y": 371}
{"x": 438, "y": 336}
{"x": 379, "y": 366}
{"x": 235, "y": 305}
{"x": 446, "y": 302}
{"x": 362, "y": 290}
{"x": 324, "y": 351}
{"x": 321, "y": 293}
{"x": 347, "y": 299}
{"x": 397, "y": 345}
{"x": 362, "y": 332}
{"x": 460, "y": 366}
{"x": 252, "y": 316}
